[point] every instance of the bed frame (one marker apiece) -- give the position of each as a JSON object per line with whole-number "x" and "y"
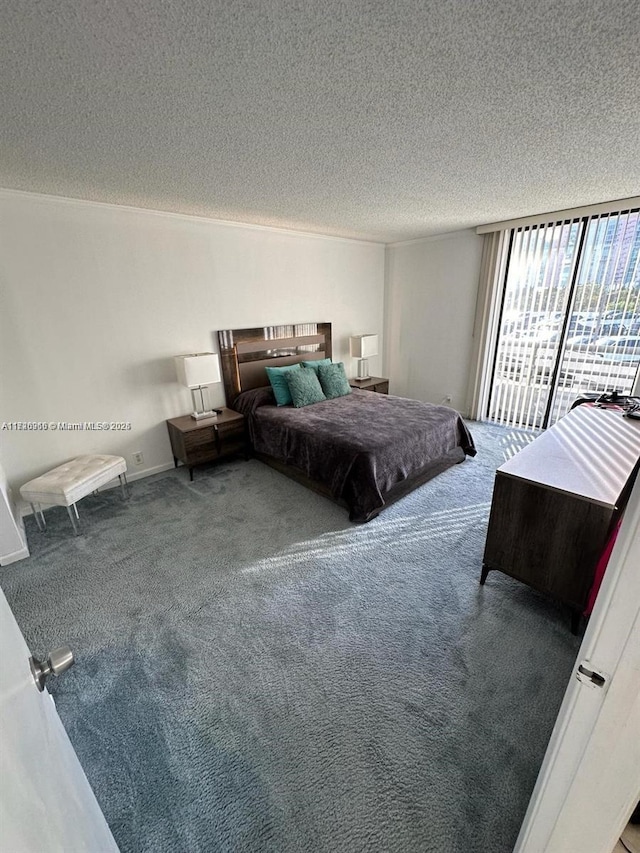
{"x": 244, "y": 353}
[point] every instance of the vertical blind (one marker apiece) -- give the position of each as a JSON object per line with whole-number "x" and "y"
{"x": 569, "y": 319}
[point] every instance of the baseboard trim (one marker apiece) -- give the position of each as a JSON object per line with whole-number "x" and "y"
{"x": 21, "y": 554}
{"x": 147, "y": 472}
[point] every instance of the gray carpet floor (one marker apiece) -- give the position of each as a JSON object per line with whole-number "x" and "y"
{"x": 256, "y": 673}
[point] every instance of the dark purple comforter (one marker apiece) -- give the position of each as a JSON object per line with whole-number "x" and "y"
{"x": 361, "y": 446}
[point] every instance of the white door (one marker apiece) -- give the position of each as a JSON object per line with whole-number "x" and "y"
{"x": 589, "y": 782}
{"x": 46, "y": 803}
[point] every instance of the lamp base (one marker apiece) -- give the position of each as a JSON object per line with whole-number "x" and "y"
{"x": 198, "y": 416}
{"x": 363, "y": 369}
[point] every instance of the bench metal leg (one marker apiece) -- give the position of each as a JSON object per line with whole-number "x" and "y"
{"x": 39, "y": 517}
{"x": 124, "y": 485}
{"x": 73, "y": 520}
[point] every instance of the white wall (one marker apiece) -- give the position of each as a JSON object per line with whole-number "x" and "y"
{"x": 13, "y": 542}
{"x": 429, "y": 313}
{"x": 95, "y": 300}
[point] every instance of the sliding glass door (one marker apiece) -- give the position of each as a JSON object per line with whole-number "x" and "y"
{"x": 570, "y": 317}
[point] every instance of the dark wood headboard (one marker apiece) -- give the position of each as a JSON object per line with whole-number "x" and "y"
{"x": 244, "y": 353}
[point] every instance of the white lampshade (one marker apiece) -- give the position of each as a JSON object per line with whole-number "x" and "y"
{"x": 363, "y": 346}
{"x": 198, "y": 369}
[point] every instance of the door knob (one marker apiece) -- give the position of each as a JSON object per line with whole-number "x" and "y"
{"x": 59, "y": 661}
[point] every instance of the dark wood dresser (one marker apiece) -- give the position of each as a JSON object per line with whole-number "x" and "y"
{"x": 556, "y": 501}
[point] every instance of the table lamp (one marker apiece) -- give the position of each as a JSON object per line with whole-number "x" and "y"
{"x": 363, "y": 347}
{"x": 196, "y": 371}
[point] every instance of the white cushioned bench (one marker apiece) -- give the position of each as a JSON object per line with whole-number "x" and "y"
{"x": 76, "y": 479}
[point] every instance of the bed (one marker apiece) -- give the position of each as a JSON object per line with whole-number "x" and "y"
{"x": 363, "y": 450}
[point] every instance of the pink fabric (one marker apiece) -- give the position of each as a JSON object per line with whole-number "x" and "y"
{"x": 601, "y": 568}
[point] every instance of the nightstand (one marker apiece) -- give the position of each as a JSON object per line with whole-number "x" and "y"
{"x": 372, "y": 383}
{"x": 194, "y": 442}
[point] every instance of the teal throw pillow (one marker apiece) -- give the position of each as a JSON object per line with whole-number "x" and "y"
{"x": 278, "y": 379}
{"x": 333, "y": 380}
{"x": 315, "y": 365}
{"x": 305, "y": 388}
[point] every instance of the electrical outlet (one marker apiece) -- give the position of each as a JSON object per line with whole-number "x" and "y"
{"x": 138, "y": 457}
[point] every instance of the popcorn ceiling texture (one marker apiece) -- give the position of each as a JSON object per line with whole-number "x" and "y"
{"x": 380, "y": 120}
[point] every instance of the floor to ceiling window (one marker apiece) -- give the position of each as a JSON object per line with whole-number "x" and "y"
{"x": 570, "y": 317}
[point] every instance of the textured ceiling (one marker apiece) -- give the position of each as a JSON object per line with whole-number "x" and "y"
{"x": 382, "y": 120}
